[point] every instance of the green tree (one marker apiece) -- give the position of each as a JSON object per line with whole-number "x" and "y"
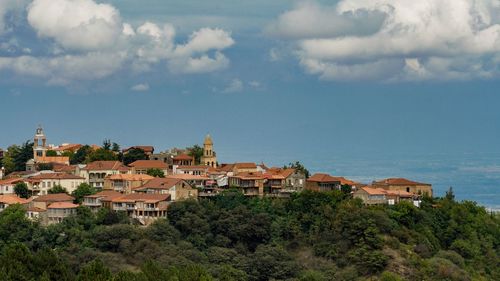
{"x": 299, "y": 167}
{"x": 133, "y": 155}
{"x": 8, "y": 159}
{"x": 81, "y": 155}
{"x": 81, "y": 191}
{"x": 196, "y": 151}
{"x": 115, "y": 147}
{"x": 57, "y": 189}
{"x": 45, "y": 166}
{"x": 21, "y": 190}
{"x": 101, "y": 154}
{"x": 154, "y": 172}
{"x": 95, "y": 271}
{"x": 51, "y": 153}
{"x": 24, "y": 154}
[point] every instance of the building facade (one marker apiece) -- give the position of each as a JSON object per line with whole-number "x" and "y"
{"x": 209, "y": 157}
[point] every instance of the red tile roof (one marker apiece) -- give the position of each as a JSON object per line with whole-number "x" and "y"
{"x": 68, "y": 147}
{"x": 106, "y": 195}
{"x": 374, "y": 191}
{"x": 183, "y": 157}
{"x": 58, "y": 197}
{"x": 130, "y": 177}
{"x": 145, "y": 148}
{"x": 245, "y": 165}
{"x": 160, "y": 183}
{"x": 328, "y": 178}
{"x": 56, "y": 176}
{"x": 62, "y": 205}
{"x": 397, "y": 181}
{"x": 106, "y": 165}
{"x": 149, "y": 164}
{"x": 250, "y": 176}
{"x": 10, "y": 181}
{"x": 145, "y": 197}
{"x": 187, "y": 177}
{"x": 12, "y": 199}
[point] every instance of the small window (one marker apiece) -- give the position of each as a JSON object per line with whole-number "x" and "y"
{"x": 407, "y": 189}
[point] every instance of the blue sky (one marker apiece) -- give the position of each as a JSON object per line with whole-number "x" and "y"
{"x": 267, "y": 79}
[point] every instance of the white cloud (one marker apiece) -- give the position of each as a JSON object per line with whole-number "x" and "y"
{"x": 89, "y": 41}
{"x": 6, "y": 7}
{"x": 140, "y": 87}
{"x": 254, "y": 84}
{"x": 235, "y": 86}
{"x": 76, "y": 24}
{"x": 418, "y": 40}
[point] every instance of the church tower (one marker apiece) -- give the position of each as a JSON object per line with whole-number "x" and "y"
{"x": 40, "y": 144}
{"x": 209, "y": 157}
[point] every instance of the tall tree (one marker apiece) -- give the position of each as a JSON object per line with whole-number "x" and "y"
{"x": 24, "y": 154}
{"x": 196, "y": 151}
{"x": 299, "y": 167}
{"x": 81, "y": 191}
{"x": 8, "y": 159}
{"x": 133, "y": 155}
{"x": 157, "y": 173}
{"x": 101, "y": 154}
{"x": 81, "y": 155}
{"x": 21, "y": 190}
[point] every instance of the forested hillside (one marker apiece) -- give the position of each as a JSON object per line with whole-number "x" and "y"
{"x": 311, "y": 236}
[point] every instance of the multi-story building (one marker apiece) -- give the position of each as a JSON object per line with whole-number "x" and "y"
{"x": 100, "y": 200}
{"x": 250, "y": 183}
{"x": 40, "y": 184}
{"x": 10, "y": 199}
{"x": 401, "y": 184}
{"x": 97, "y": 171}
{"x": 325, "y": 182}
{"x": 146, "y": 208}
{"x": 125, "y": 183}
{"x": 40, "y": 149}
{"x": 178, "y": 189}
{"x": 183, "y": 160}
{"x": 58, "y": 211}
{"x": 373, "y": 196}
{"x": 7, "y": 185}
{"x": 142, "y": 166}
{"x": 284, "y": 180}
{"x": 199, "y": 170}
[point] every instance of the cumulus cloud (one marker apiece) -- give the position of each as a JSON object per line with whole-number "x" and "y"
{"x": 143, "y": 87}
{"x": 235, "y": 86}
{"x": 412, "y": 40}
{"x": 89, "y": 41}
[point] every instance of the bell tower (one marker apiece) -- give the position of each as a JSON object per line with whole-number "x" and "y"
{"x": 209, "y": 157}
{"x": 40, "y": 144}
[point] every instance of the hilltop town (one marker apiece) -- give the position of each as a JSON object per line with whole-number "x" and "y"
{"x": 56, "y": 180}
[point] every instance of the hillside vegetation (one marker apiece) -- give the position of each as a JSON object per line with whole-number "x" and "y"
{"x": 311, "y": 236}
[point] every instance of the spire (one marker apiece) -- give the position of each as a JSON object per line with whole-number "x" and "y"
{"x": 208, "y": 140}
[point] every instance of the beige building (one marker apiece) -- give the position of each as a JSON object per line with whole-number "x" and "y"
{"x": 401, "y": 184}
{"x": 58, "y": 211}
{"x": 7, "y": 185}
{"x": 142, "y": 166}
{"x": 251, "y": 184}
{"x": 325, "y": 182}
{"x": 40, "y": 149}
{"x": 209, "y": 157}
{"x": 146, "y": 208}
{"x": 178, "y": 189}
{"x": 39, "y": 207}
{"x": 199, "y": 170}
{"x": 40, "y": 184}
{"x": 373, "y": 196}
{"x": 100, "y": 200}
{"x": 125, "y": 183}
{"x": 97, "y": 171}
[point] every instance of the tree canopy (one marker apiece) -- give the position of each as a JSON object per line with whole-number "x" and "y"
{"x": 133, "y": 155}
{"x": 195, "y": 151}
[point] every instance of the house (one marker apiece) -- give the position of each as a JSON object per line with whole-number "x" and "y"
{"x": 183, "y": 160}
{"x": 124, "y": 183}
{"x": 250, "y": 183}
{"x": 374, "y": 195}
{"x": 148, "y": 150}
{"x": 199, "y": 170}
{"x": 402, "y": 184}
{"x": 42, "y": 202}
{"x": 97, "y": 171}
{"x": 193, "y": 180}
{"x": 325, "y": 182}
{"x": 7, "y": 185}
{"x": 100, "y": 200}
{"x": 142, "y": 166}
{"x": 284, "y": 180}
{"x": 144, "y": 207}
{"x": 58, "y": 211}
{"x": 167, "y": 156}
{"x": 40, "y": 184}
{"x": 34, "y": 213}
{"x": 11, "y": 199}
{"x": 178, "y": 189}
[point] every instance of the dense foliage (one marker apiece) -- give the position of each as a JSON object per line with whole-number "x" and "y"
{"x": 311, "y": 236}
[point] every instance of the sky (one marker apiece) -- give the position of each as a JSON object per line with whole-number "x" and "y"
{"x": 273, "y": 81}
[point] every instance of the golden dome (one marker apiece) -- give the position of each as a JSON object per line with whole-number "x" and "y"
{"x": 208, "y": 140}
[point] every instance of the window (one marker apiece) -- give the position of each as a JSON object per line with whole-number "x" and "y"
{"x": 407, "y": 189}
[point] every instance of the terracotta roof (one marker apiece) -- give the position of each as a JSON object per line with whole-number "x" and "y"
{"x": 35, "y": 209}
{"x": 193, "y": 167}
{"x": 62, "y": 205}
{"x": 106, "y": 165}
{"x": 187, "y": 177}
{"x": 226, "y": 167}
{"x": 149, "y": 164}
{"x": 323, "y": 178}
{"x": 145, "y": 197}
{"x": 249, "y": 176}
{"x": 374, "y": 191}
{"x": 397, "y": 181}
{"x": 56, "y": 176}
{"x": 10, "y": 181}
{"x": 130, "y": 177}
{"x": 159, "y": 183}
{"x": 53, "y": 159}
{"x": 106, "y": 195}
{"x": 244, "y": 165}
{"x": 63, "y": 168}
{"x": 145, "y": 148}
{"x": 58, "y": 197}
{"x": 279, "y": 171}
{"x": 68, "y": 147}
{"x": 183, "y": 157}
{"x": 12, "y": 199}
